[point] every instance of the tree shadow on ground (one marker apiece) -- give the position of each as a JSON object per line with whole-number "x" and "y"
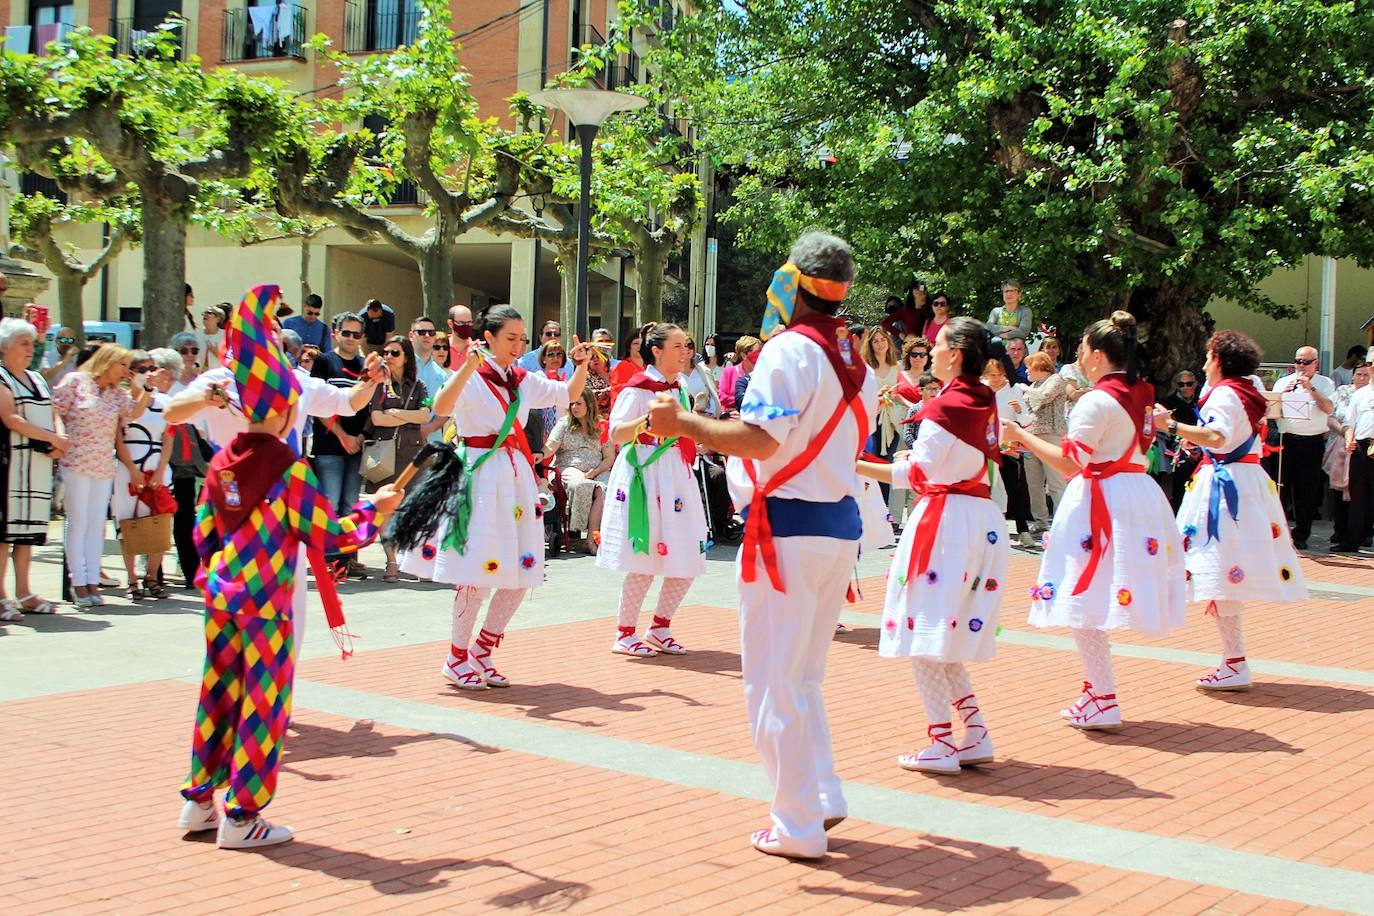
{"x": 1046, "y": 782}
{"x": 546, "y": 701}
{"x": 1304, "y": 697}
{"x": 418, "y": 876}
{"x": 319, "y": 742}
{"x": 63, "y": 622}
{"x": 1192, "y": 737}
{"x": 920, "y": 876}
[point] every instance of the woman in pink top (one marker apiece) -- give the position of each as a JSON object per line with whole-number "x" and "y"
{"x": 92, "y": 401}
{"x": 747, "y": 349}
{"x": 938, "y": 315}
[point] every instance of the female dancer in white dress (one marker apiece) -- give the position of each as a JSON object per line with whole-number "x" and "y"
{"x": 1113, "y": 559}
{"x": 654, "y": 523}
{"x": 1236, "y": 541}
{"x": 498, "y": 542}
{"x": 944, "y": 591}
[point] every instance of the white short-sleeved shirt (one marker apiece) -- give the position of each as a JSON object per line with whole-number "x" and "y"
{"x": 1224, "y": 413}
{"x": 633, "y": 403}
{"x": 1100, "y": 423}
{"x": 1360, "y": 413}
{"x": 318, "y": 399}
{"x": 143, "y": 437}
{"x": 1315, "y": 423}
{"x": 792, "y": 394}
{"x": 943, "y": 457}
{"x": 479, "y": 413}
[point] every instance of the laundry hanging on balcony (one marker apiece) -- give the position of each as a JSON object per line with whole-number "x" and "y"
{"x": 264, "y": 22}
{"x": 17, "y": 38}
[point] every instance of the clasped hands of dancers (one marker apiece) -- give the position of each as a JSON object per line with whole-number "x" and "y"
{"x": 1115, "y": 556}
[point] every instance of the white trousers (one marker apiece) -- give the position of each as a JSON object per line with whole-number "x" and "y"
{"x": 88, "y": 503}
{"x": 784, "y": 638}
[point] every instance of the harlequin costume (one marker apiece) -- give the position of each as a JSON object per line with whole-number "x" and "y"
{"x": 808, "y": 391}
{"x": 1113, "y": 557}
{"x": 493, "y": 545}
{"x": 1236, "y": 541}
{"x": 944, "y": 591}
{"x": 260, "y": 502}
{"x": 654, "y": 523}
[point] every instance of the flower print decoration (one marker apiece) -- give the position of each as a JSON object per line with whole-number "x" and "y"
{"x": 428, "y": 551}
{"x": 519, "y": 512}
{"x": 1285, "y": 574}
{"x": 992, "y": 537}
{"x": 911, "y": 623}
{"x": 990, "y": 585}
{"x": 662, "y": 549}
{"x": 620, "y": 496}
{"x": 1236, "y": 575}
{"x": 1047, "y": 591}
{"x": 491, "y": 566}
{"x": 932, "y": 577}
{"x": 1152, "y": 546}
{"x": 1274, "y": 530}
{"x": 527, "y": 561}
{"x": 975, "y": 624}
{"x": 1123, "y": 596}
{"x": 1086, "y": 544}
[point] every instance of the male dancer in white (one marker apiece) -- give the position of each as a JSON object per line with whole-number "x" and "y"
{"x": 655, "y": 524}
{"x": 800, "y": 429}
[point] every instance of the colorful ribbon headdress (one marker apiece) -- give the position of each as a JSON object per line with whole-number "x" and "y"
{"x": 782, "y": 296}
{"x": 266, "y": 385}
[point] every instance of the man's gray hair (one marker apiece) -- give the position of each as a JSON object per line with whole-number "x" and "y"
{"x": 291, "y": 341}
{"x": 11, "y": 329}
{"x": 822, "y": 255}
{"x": 167, "y": 358}
{"x": 181, "y": 339}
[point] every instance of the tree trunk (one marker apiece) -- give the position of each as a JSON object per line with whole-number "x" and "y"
{"x": 567, "y": 299}
{"x": 164, "y": 270}
{"x": 70, "y": 313}
{"x": 651, "y": 263}
{"x": 305, "y": 270}
{"x": 1174, "y": 327}
{"x": 435, "y": 258}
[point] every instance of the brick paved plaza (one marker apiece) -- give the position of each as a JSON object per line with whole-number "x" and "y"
{"x": 601, "y": 783}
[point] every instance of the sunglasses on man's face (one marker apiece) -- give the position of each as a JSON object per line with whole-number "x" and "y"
{"x": 1304, "y": 362}
{"x": 424, "y": 332}
{"x": 66, "y": 340}
{"x": 189, "y": 351}
{"x": 548, "y": 334}
{"x": 312, "y": 314}
{"x": 352, "y": 335}
{"x": 1187, "y": 384}
{"x": 393, "y": 353}
{"x": 141, "y": 370}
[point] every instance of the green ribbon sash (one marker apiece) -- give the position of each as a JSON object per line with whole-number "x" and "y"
{"x": 638, "y": 521}
{"x": 457, "y": 536}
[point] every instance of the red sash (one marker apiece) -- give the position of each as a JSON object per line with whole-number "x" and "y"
{"x": 923, "y": 544}
{"x": 1099, "y": 517}
{"x": 758, "y": 532}
{"x": 686, "y": 447}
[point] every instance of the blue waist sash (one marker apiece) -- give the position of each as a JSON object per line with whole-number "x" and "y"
{"x": 1223, "y": 488}
{"x": 794, "y": 518}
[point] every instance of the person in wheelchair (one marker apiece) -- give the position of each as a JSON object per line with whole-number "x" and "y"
{"x": 581, "y": 463}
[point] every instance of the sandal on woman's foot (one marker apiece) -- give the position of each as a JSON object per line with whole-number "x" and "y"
{"x": 134, "y": 593}
{"x": 44, "y": 606}
{"x": 153, "y": 589}
{"x": 9, "y": 611}
{"x": 392, "y": 574}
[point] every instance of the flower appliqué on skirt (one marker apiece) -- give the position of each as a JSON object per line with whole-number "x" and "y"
{"x": 1236, "y": 575}
{"x": 1123, "y": 596}
{"x": 1152, "y": 546}
{"x": 527, "y": 561}
{"x": 491, "y": 566}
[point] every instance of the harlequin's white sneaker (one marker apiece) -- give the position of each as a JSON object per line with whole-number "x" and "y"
{"x": 250, "y": 833}
{"x": 767, "y": 841}
{"x": 632, "y": 646}
{"x": 941, "y": 757}
{"x": 197, "y": 816}
{"x": 1233, "y": 674}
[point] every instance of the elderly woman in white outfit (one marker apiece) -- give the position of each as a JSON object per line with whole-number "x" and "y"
{"x": 1235, "y": 538}
{"x": 655, "y": 524}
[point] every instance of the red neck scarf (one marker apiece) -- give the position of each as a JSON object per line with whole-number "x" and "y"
{"x": 1137, "y": 400}
{"x": 510, "y": 381}
{"x": 1254, "y": 403}
{"x": 643, "y": 380}
{"x": 242, "y": 473}
{"x": 967, "y": 410}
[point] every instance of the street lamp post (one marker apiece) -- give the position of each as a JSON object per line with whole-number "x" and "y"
{"x": 586, "y": 109}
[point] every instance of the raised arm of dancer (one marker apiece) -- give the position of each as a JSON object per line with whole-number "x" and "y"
{"x": 1050, "y": 453}
{"x": 733, "y": 437}
{"x": 447, "y": 398}
{"x": 580, "y": 355}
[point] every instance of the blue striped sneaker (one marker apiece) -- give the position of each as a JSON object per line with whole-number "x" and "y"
{"x": 198, "y": 816}
{"x": 250, "y": 833}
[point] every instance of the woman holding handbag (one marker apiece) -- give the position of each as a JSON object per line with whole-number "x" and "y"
{"x": 144, "y": 449}
{"x": 394, "y": 436}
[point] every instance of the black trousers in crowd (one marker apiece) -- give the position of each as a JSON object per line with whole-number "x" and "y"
{"x": 1018, "y": 496}
{"x": 1359, "y": 520}
{"x": 1301, "y": 479}
{"x": 186, "y": 491}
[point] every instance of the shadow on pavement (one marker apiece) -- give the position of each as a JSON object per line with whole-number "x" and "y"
{"x": 1305, "y": 697}
{"x": 65, "y": 621}
{"x": 1191, "y": 737}
{"x": 919, "y": 876}
{"x": 318, "y": 742}
{"x": 1047, "y": 782}
{"x": 702, "y": 661}
{"x": 546, "y": 701}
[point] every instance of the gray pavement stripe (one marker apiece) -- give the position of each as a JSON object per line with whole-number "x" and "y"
{"x": 1166, "y": 857}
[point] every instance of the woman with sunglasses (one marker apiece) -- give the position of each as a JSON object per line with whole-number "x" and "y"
{"x": 144, "y": 452}
{"x": 397, "y": 413}
{"x": 1182, "y": 405}
{"x": 187, "y": 346}
{"x": 938, "y": 315}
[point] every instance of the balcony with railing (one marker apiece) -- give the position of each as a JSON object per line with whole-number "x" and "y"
{"x": 370, "y": 27}
{"x": 34, "y": 39}
{"x": 131, "y": 41}
{"x": 408, "y": 194}
{"x": 32, "y": 184}
{"x": 265, "y": 32}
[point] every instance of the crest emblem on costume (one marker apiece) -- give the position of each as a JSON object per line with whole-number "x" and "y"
{"x": 232, "y": 499}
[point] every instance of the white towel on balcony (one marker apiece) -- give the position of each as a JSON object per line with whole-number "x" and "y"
{"x": 45, "y": 35}
{"x": 264, "y": 20}
{"x": 17, "y": 38}
{"x": 286, "y": 22}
